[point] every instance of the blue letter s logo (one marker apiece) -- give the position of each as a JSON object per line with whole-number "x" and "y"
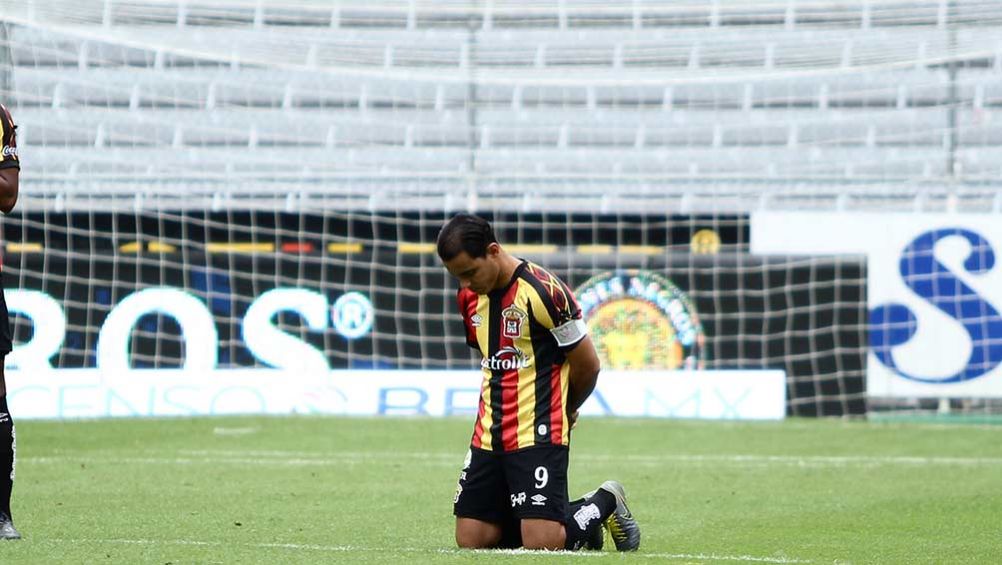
{"x": 894, "y": 324}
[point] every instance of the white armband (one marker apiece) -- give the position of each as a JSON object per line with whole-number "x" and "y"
{"x": 570, "y": 333}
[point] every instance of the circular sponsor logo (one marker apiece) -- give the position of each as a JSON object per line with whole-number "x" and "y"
{"x": 705, "y": 242}
{"x": 642, "y": 320}
{"x": 352, "y": 314}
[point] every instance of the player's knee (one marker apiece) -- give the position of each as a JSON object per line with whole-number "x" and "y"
{"x": 549, "y": 542}
{"x": 466, "y": 541}
{"x": 551, "y": 538}
{"x": 476, "y": 536}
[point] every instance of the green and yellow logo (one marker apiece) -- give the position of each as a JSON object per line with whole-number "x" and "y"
{"x": 641, "y": 320}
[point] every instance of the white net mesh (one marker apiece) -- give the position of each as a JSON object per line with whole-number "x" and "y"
{"x": 321, "y": 126}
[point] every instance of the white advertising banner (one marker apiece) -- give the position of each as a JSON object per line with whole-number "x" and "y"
{"x": 934, "y": 293}
{"x": 95, "y": 393}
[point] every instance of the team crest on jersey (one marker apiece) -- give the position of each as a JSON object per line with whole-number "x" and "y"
{"x": 512, "y": 319}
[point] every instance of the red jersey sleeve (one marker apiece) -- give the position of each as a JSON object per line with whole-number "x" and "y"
{"x": 8, "y": 141}
{"x": 468, "y": 309}
{"x": 565, "y": 319}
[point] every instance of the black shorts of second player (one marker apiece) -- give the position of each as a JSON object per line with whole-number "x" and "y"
{"x": 499, "y": 487}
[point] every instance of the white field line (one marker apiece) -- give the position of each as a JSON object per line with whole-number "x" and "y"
{"x": 224, "y": 431}
{"x": 718, "y": 557}
{"x": 450, "y": 551}
{"x": 305, "y": 459}
{"x": 809, "y": 424}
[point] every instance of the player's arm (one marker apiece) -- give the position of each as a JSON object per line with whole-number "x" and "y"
{"x": 584, "y": 369}
{"x": 463, "y": 297}
{"x": 9, "y": 164}
{"x": 8, "y": 189}
{"x": 564, "y": 319}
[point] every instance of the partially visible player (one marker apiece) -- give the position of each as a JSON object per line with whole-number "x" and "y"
{"x": 10, "y": 168}
{"x": 539, "y": 366}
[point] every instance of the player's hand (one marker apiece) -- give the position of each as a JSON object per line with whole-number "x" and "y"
{"x": 573, "y": 418}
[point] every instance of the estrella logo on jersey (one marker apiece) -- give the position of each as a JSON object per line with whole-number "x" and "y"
{"x": 506, "y": 359}
{"x": 512, "y": 318}
{"x": 894, "y": 324}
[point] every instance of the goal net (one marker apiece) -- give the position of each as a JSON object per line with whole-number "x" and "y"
{"x": 287, "y": 167}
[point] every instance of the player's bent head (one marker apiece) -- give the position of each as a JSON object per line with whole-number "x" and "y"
{"x": 465, "y": 232}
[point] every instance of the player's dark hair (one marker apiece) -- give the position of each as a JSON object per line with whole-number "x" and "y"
{"x": 465, "y": 232}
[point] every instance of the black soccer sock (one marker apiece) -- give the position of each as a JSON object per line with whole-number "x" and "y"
{"x": 7, "y": 456}
{"x": 586, "y": 517}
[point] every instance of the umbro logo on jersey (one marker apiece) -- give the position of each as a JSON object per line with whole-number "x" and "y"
{"x": 476, "y": 320}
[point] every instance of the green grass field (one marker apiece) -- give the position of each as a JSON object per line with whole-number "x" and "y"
{"x": 310, "y": 490}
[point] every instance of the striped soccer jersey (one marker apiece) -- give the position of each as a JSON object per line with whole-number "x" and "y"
{"x": 523, "y": 331}
{"x": 8, "y": 141}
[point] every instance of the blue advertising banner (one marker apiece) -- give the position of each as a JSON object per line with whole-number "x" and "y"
{"x": 934, "y": 292}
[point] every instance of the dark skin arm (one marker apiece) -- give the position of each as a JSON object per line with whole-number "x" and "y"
{"x": 9, "y": 177}
{"x": 585, "y": 367}
{"x": 8, "y": 188}
{"x": 8, "y": 198}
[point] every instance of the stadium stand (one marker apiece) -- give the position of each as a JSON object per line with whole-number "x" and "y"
{"x": 902, "y": 96}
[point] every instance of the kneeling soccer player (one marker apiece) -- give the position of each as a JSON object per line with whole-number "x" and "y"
{"x": 10, "y": 167}
{"x": 539, "y": 366}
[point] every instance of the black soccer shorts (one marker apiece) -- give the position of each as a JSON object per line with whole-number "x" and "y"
{"x": 501, "y": 487}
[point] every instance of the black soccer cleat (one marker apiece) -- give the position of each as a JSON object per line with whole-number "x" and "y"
{"x": 7, "y": 529}
{"x": 622, "y": 526}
